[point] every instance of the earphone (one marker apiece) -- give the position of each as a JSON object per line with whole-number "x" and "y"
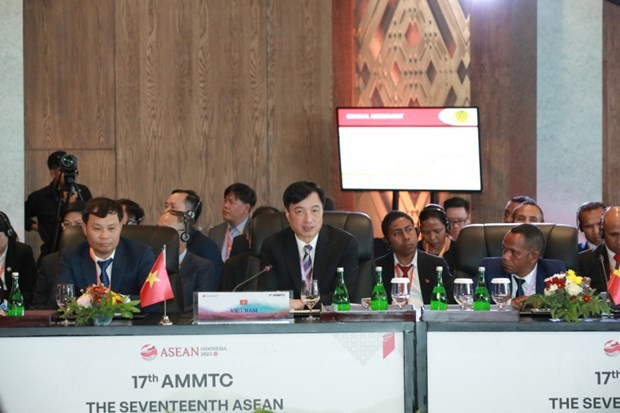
{"x": 191, "y": 214}
{"x": 427, "y": 212}
{"x": 188, "y": 222}
{"x": 10, "y": 232}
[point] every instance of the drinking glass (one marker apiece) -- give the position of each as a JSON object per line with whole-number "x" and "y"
{"x": 400, "y": 291}
{"x": 463, "y": 293}
{"x": 500, "y": 291}
{"x": 64, "y": 293}
{"x": 310, "y": 295}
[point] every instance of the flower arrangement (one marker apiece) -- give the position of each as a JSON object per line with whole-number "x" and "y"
{"x": 98, "y": 305}
{"x": 569, "y": 297}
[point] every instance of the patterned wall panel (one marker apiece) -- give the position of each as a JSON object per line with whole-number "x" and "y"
{"x": 409, "y": 53}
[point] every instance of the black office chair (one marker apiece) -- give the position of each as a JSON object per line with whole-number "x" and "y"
{"x": 478, "y": 241}
{"x": 356, "y": 223}
{"x": 156, "y": 237}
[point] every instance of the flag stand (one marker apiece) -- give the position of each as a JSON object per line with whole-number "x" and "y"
{"x": 165, "y": 321}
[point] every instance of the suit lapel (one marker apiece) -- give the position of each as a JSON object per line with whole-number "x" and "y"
{"x": 87, "y": 267}
{"x": 292, "y": 259}
{"x": 424, "y": 275}
{"x": 321, "y": 255}
{"x": 118, "y": 267}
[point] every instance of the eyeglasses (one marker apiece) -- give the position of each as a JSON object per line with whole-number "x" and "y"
{"x": 459, "y": 221}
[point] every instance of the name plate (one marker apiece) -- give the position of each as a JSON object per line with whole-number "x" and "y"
{"x": 242, "y": 307}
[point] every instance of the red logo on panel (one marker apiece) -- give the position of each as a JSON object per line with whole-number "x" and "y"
{"x": 389, "y": 343}
{"x": 611, "y": 348}
{"x": 148, "y": 352}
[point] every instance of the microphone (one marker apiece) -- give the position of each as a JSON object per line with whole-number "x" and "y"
{"x": 267, "y": 268}
{"x": 602, "y": 261}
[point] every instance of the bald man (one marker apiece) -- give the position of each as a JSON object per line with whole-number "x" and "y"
{"x": 599, "y": 262}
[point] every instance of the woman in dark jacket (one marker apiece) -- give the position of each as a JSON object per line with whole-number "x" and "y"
{"x": 15, "y": 257}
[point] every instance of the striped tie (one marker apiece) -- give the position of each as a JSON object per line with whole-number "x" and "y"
{"x": 105, "y": 279}
{"x": 306, "y": 264}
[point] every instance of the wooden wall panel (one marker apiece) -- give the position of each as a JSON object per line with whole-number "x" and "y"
{"x": 68, "y": 57}
{"x": 503, "y": 86}
{"x": 191, "y": 100}
{"x": 300, "y": 110}
{"x": 611, "y": 103}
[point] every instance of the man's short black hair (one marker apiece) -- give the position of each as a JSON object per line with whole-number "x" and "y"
{"x": 132, "y": 209}
{"x": 298, "y": 191}
{"x": 75, "y": 206}
{"x": 589, "y": 206}
{"x": 192, "y": 201}
{"x": 390, "y": 217}
{"x": 242, "y": 192}
{"x": 534, "y": 238}
{"x": 456, "y": 202}
{"x": 53, "y": 161}
{"x": 102, "y": 207}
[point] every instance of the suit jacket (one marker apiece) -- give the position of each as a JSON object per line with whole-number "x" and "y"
{"x": 334, "y": 248}
{"x": 133, "y": 261}
{"x": 427, "y": 264}
{"x": 46, "y": 277}
{"x": 204, "y": 247}
{"x": 197, "y": 274}
{"x": 595, "y": 264}
{"x": 218, "y": 233}
{"x": 546, "y": 268}
{"x": 19, "y": 258}
{"x": 449, "y": 255}
{"x": 583, "y": 246}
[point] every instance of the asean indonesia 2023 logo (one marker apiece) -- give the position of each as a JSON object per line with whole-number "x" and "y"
{"x": 150, "y": 352}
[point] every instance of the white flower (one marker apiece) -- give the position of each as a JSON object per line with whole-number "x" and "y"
{"x": 573, "y": 289}
{"x": 551, "y": 289}
{"x": 84, "y": 301}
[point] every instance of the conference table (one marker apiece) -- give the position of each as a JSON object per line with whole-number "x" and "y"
{"x": 363, "y": 366}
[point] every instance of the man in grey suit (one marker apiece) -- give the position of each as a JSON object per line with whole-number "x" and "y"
{"x": 239, "y": 199}
{"x": 197, "y": 273}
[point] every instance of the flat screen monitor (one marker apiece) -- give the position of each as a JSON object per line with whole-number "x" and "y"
{"x": 409, "y": 149}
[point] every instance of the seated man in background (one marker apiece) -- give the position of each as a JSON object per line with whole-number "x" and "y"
{"x": 521, "y": 262}
{"x": 512, "y": 204}
{"x": 527, "y": 212}
{"x": 133, "y": 214}
{"x": 308, "y": 249}
{"x": 197, "y": 274}
{"x": 406, "y": 260}
{"x": 589, "y": 217}
{"x": 105, "y": 257}
{"x": 434, "y": 227}
{"x": 239, "y": 199}
{"x": 15, "y": 257}
{"x": 600, "y": 262}
{"x": 188, "y": 202}
{"x": 457, "y": 211}
{"x": 46, "y": 274}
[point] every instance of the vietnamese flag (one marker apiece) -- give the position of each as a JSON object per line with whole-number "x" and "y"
{"x": 613, "y": 287}
{"x": 157, "y": 287}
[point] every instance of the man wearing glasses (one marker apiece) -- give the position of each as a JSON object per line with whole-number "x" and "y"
{"x": 457, "y": 211}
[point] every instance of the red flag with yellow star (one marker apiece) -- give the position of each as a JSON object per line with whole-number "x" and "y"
{"x": 613, "y": 287}
{"x": 157, "y": 287}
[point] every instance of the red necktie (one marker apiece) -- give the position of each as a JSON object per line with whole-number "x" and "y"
{"x": 404, "y": 269}
{"x": 617, "y": 259}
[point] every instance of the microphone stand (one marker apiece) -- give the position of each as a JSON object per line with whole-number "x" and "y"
{"x": 252, "y": 278}
{"x": 165, "y": 321}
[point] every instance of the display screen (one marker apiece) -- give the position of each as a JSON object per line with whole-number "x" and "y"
{"x": 414, "y": 149}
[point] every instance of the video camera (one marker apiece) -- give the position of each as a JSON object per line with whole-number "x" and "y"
{"x": 68, "y": 163}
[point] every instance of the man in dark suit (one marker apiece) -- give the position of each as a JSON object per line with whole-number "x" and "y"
{"x": 197, "y": 274}
{"x": 15, "y": 257}
{"x": 105, "y": 257}
{"x": 589, "y": 222}
{"x": 188, "y": 202}
{"x": 43, "y": 204}
{"x": 239, "y": 199}
{"x": 319, "y": 249}
{"x": 406, "y": 260}
{"x": 521, "y": 262}
{"x": 599, "y": 263}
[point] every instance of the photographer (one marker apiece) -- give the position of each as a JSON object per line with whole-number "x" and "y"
{"x": 46, "y": 203}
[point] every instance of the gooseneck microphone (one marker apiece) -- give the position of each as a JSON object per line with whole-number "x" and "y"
{"x": 602, "y": 261}
{"x": 266, "y": 269}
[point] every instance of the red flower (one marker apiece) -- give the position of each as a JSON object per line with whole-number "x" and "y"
{"x": 586, "y": 298}
{"x": 573, "y": 298}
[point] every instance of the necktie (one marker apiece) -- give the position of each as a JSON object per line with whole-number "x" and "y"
{"x": 105, "y": 279}
{"x": 404, "y": 269}
{"x": 230, "y": 235}
{"x": 306, "y": 264}
{"x": 617, "y": 259}
{"x": 520, "y": 281}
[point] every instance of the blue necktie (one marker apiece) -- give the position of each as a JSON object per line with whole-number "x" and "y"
{"x": 105, "y": 280}
{"x": 520, "y": 281}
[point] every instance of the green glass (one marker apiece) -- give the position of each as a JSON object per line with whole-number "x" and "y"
{"x": 16, "y": 299}
{"x": 439, "y": 299}
{"x": 482, "y": 299}
{"x": 341, "y": 300}
{"x": 378, "y": 299}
